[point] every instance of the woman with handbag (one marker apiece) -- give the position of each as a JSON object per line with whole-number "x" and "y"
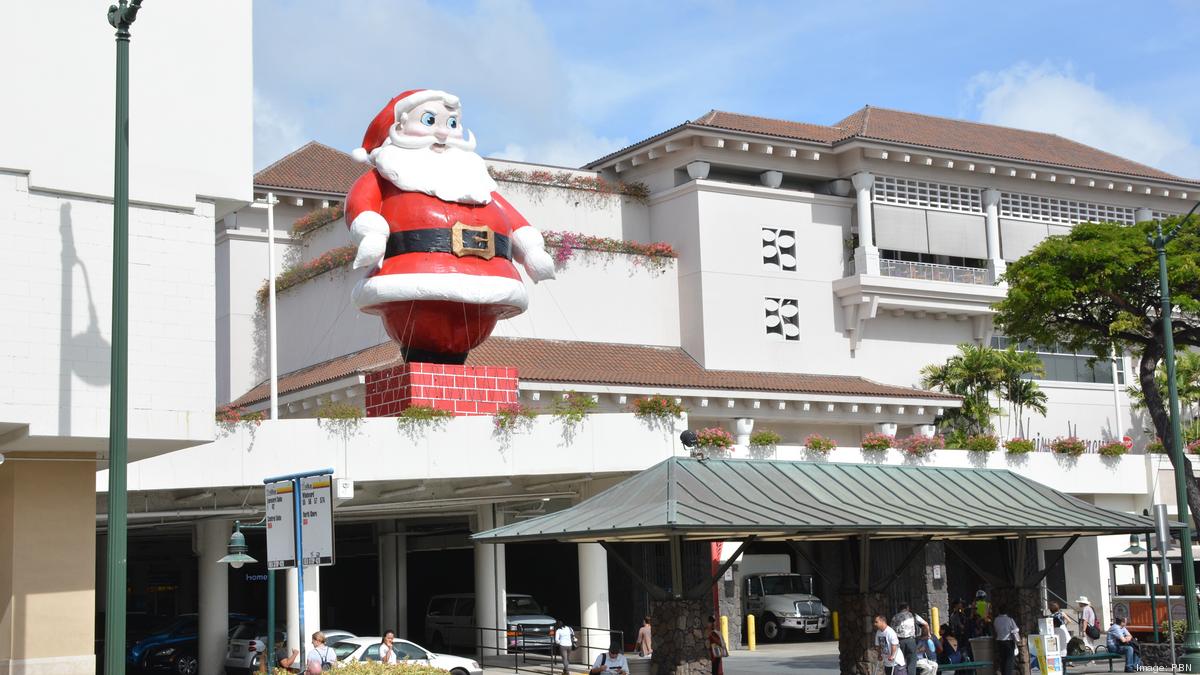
{"x": 717, "y": 649}
{"x": 1089, "y": 625}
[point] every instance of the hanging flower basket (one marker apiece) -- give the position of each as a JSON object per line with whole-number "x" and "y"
{"x": 982, "y": 443}
{"x": 1068, "y": 446}
{"x": 919, "y": 446}
{"x": 714, "y": 440}
{"x": 1114, "y": 449}
{"x": 1018, "y": 446}
{"x": 657, "y": 409}
{"x": 316, "y": 219}
{"x": 875, "y": 442}
{"x": 819, "y": 443}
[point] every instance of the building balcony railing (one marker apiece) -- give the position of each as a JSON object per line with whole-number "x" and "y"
{"x": 933, "y": 272}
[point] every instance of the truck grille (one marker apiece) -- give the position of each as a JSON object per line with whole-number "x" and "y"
{"x": 808, "y": 608}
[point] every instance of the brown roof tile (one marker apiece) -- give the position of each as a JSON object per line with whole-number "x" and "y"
{"x": 313, "y": 167}
{"x": 571, "y": 362}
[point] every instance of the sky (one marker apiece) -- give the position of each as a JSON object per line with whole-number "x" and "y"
{"x": 563, "y": 82}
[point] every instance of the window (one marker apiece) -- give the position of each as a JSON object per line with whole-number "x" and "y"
{"x": 522, "y": 604}
{"x": 932, "y": 259}
{"x": 1066, "y": 366}
{"x": 779, "y": 249}
{"x": 782, "y": 319}
{"x": 908, "y": 192}
{"x": 407, "y": 651}
{"x": 1054, "y": 210}
{"x": 441, "y": 607}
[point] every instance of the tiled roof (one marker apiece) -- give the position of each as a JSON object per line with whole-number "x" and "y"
{"x": 571, "y": 362}
{"x": 314, "y": 167}
{"x": 927, "y": 131}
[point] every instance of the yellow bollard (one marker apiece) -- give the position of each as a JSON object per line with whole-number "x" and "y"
{"x": 837, "y": 627}
{"x": 936, "y": 623}
{"x": 751, "y": 636}
{"x": 725, "y": 630}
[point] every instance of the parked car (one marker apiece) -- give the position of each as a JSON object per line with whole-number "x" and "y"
{"x": 367, "y": 649}
{"x": 784, "y": 602}
{"x": 174, "y": 648}
{"x": 248, "y": 646}
{"x": 450, "y": 622}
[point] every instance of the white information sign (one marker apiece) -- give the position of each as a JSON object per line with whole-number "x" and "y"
{"x": 281, "y": 526}
{"x": 316, "y": 510}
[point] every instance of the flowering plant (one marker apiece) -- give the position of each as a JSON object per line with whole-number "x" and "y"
{"x": 655, "y": 256}
{"x": 714, "y": 437}
{"x": 512, "y": 419}
{"x": 819, "y": 443}
{"x": 232, "y": 414}
{"x": 315, "y": 219}
{"x": 657, "y": 407}
{"x": 1194, "y": 447}
{"x": 1018, "y": 446}
{"x": 1067, "y": 445}
{"x": 571, "y": 181}
{"x": 982, "y": 443}
{"x": 414, "y": 420}
{"x": 765, "y": 439}
{"x": 1113, "y": 449}
{"x": 919, "y": 446}
{"x": 876, "y": 442}
{"x": 331, "y": 259}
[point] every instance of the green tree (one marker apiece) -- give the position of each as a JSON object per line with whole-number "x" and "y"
{"x": 1017, "y": 389}
{"x": 975, "y": 373}
{"x": 1187, "y": 379}
{"x": 1096, "y": 289}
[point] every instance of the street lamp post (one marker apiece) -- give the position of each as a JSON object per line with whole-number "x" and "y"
{"x": 1191, "y": 647}
{"x": 237, "y": 557}
{"x": 120, "y": 17}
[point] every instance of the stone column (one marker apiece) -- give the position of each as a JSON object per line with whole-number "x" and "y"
{"x": 490, "y": 598}
{"x": 730, "y": 605}
{"x": 856, "y": 641}
{"x": 679, "y": 640}
{"x": 1024, "y": 606}
{"x": 593, "y": 600}
{"x": 212, "y": 539}
{"x": 1143, "y": 215}
{"x": 744, "y": 426}
{"x": 935, "y": 581}
{"x": 393, "y": 578}
{"x": 866, "y": 256}
{"x": 991, "y": 207}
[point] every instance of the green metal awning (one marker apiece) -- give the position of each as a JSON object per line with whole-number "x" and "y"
{"x": 719, "y": 499}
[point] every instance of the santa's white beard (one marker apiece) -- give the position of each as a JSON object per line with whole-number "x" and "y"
{"x": 453, "y": 175}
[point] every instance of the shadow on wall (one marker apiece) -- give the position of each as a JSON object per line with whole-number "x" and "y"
{"x": 77, "y": 347}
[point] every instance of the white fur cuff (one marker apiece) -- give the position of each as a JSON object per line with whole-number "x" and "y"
{"x": 370, "y": 231}
{"x": 529, "y": 249}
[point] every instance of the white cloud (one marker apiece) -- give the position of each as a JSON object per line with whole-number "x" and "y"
{"x": 276, "y": 133}
{"x": 1055, "y": 100}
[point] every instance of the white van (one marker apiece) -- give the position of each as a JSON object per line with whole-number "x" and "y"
{"x": 450, "y": 622}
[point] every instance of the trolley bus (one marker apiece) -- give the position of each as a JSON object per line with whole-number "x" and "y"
{"x": 1130, "y": 591}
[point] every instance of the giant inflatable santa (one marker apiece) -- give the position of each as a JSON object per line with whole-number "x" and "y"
{"x": 438, "y": 240}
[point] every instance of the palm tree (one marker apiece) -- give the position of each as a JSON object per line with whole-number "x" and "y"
{"x": 974, "y": 373}
{"x": 1187, "y": 379}
{"x": 1016, "y": 387}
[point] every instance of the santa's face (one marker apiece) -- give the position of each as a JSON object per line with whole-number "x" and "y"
{"x": 433, "y": 120}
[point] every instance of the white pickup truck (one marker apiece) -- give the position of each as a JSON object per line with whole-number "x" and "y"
{"x": 783, "y": 602}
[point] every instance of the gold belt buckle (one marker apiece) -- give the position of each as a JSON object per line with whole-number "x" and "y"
{"x": 476, "y": 240}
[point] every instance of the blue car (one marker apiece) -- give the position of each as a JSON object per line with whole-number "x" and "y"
{"x": 174, "y": 648}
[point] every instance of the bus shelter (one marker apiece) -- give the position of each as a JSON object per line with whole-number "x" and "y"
{"x": 688, "y": 500}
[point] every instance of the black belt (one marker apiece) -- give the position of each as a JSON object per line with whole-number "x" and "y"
{"x": 461, "y": 240}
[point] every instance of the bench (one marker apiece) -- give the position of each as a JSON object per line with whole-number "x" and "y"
{"x": 1102, "y": 655}
{"x": 983, "y": 666}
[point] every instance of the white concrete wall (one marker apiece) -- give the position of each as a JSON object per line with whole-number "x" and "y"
{"x": 55, "y": 332}
{"x": 377, "y": 451}
{"x": 190, "y": 100}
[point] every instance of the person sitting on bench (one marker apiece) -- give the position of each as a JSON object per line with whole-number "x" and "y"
{"x": 1121, "y": 642}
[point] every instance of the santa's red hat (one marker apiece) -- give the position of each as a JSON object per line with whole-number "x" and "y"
{"x": 377, "y": 132}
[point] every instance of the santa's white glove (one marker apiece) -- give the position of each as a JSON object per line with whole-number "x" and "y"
{"x": 529, "y": 249}
{"x": 370, "y": 231}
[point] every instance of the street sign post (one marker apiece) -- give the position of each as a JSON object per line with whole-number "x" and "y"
{"x": 312, "y": 487}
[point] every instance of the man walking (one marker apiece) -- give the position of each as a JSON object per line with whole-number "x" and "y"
{"x": 905, "y": 624}
{"x": 888, "y": 646}
{"x": 1089, "y": 627}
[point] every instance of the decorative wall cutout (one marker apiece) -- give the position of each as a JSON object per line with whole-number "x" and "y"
{"x": 782, "y": 318}
{"x": 779, "y": 249}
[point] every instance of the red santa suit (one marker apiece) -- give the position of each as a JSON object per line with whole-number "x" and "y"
{"x": 446, "y": 275}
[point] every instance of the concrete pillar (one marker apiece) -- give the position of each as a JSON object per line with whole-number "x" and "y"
{"x": 393, "y": 578}
{"x": 490, "y": 591}
{"x": 212, "y": 541}
{"x": 593, "y": 600}
{"x": 991, "y": 208}
{"x": 1143, "y": 215}
{"x": 312, "y": 608}
{"x": 293, "y": 614}
{"x": 744, "y": 426}
{"x": 47, "y": 567}
{"x": 866, "y": 256}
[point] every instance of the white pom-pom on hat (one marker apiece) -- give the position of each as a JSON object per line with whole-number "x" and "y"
{"x": 361, "y": 155}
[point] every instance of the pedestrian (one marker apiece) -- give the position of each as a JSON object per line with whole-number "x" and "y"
{"x": 288, "y": 663}
{"x": 888, "y": 647}
{"x": 644, "y": 648}
{"x": 387, "y": 654}
{"x": 1121, "y": 642}
{"x": 1089, "y": 625}
{"x": 926, "y": 662}
{"x": 564, "y": 643}
{"x": 905, "y": 624}
{"x": 1060, "y": 630}
{"x": 612, "y": 661}
{"x": 321, "y": 657}
{"x": 1056, "y": 611}
{"x": 958, "y": 618}
{"x": 951, "y": 649}
{"x": 1008, "y": 636}
{"x": 717, "y": 649}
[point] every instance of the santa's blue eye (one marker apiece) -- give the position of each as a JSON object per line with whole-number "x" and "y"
{"x": 428, "y": 119}
{"x": 452, "y": 123}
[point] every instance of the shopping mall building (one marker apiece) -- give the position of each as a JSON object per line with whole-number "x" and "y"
{"x": 762, "y": 274}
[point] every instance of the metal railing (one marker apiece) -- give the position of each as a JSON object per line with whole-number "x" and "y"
{"x": 533, "y": 650}
{"x": 933, "y": 272}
